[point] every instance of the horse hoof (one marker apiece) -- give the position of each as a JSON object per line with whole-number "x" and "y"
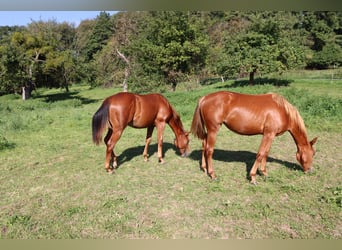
{"x": 215, "y": 179}
{"x": 110, "y": 171}
{"x": 254, "y": 183}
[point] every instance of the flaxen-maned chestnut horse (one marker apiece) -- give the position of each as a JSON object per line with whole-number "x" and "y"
{"x": 138, "y": 111}
{"x": 268, "y": 114}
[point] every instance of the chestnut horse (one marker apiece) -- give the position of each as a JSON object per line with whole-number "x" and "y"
{"x": 268, "y": 114}
{"x": 138, "y": 111}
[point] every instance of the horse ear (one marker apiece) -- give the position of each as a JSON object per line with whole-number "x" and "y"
{"x": 313, "y": 141}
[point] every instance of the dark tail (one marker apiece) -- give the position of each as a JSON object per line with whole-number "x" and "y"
{"x": 198, "y": 126}
{"x": 100, "y": 122}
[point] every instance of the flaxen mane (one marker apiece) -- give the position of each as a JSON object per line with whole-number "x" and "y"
{"x": 290, "y": 110}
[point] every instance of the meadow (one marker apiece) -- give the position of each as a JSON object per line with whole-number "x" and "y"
{"x": 54, "y": 186}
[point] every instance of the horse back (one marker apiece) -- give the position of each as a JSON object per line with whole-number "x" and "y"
{"x": 245, "y": 114}
{"x": 150, "y": 109}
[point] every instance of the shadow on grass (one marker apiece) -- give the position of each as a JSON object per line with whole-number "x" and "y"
{"x": 6, "y": 145}
{"x": 259, "y": 81}
{"x": 133, "y": 152}
{"x": 246, "y": 157}
{"x": 48, "y": 98}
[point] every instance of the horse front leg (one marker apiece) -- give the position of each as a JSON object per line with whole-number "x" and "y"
{"x": 263, "y": 166}
{"x": 160, "y": 128}
{"x": 261, "y": 157}
{"x": 148, "y": 141}
{"x": 111, "y": 159}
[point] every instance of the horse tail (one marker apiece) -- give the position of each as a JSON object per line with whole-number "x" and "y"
{"x": 100, "y": 122}
{"x": 198, "y": 127}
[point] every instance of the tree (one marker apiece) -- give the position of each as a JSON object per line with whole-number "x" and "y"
{"x": 53, "y": 53}
{"x": 12, "y": 73}
{"x": 102, "y": 31}
{"x": 323, "y": 37}
{"x": 265, "y": 46}
{"x": 169, "y": 46}
{"x": 92, "y": 37}
{"x": 41, "y": 54}
{"x": 109, "y": 66}
{"x": 330, "y": 55}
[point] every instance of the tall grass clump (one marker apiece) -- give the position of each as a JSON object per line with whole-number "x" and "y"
{"x": 321, "y": 112}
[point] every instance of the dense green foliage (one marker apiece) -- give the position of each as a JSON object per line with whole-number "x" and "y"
{"x": 164, "y": 48}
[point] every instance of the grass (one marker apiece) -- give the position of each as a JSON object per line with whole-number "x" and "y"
{"x": 54, "y": 186}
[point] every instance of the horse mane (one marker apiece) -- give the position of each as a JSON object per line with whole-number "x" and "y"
{"x": 176, "y": 119}
{"x": 291, "y": 111}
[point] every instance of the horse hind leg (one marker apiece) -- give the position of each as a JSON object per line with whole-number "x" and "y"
{"x": 203, "y": 165}
{"x": 209, "y": 151}
{"x": 110, "y": 141}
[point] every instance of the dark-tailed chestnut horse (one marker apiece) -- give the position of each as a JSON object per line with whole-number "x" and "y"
{"x": 267, "y": 114}
{"x": 138, "y": 111}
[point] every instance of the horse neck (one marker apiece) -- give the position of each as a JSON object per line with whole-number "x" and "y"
{"x": 296, "y": 123}
{"x": 299, "y": 136}
{"x": 176, "y": 126}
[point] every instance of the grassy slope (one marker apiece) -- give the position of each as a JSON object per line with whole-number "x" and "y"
{"x": 53, "y": 184}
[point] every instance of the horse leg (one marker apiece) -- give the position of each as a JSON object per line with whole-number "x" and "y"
{"x": 211, "y": 139}
{"x": 110, "y": 140}
{"x": 160, "y": 128}
{"x": 263, "y": 166}
{"x": 261, "y": 157}
{"x": 148, "y": 141}
{"x": 204, "y": 158}
{"x": 109, "y": 155}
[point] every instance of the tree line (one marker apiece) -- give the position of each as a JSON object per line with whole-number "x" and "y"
{"x": 156, "y": 50}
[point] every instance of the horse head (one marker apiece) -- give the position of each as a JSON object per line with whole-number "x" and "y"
{"x": 182, "y": 143}
{"x": 305, "y": 156}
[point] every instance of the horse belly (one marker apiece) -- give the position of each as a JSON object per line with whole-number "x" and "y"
{"x": 244, "y": 124}
{"x": 144, "y": 117}
{"x": 142, "y": 121}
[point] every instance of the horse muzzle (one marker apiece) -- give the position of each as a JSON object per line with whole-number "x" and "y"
{"x": 309, "y": 171}
{"x": 185, "y": 154}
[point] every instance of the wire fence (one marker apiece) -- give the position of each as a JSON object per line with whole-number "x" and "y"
{"x": 328, "y": 74}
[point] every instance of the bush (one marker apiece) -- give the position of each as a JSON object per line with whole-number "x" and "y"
{"x": 330, "y": 55}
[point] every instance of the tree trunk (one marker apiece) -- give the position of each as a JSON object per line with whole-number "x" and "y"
{"x": 25, "y": 93}
{"x": 66, "y": 85}
{"x": 27, "y": 90}
{"x": 124, "y": 84}
{"x": 251, "y": 77}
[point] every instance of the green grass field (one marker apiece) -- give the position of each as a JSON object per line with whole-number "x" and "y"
{"x": 54, "y": 186}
